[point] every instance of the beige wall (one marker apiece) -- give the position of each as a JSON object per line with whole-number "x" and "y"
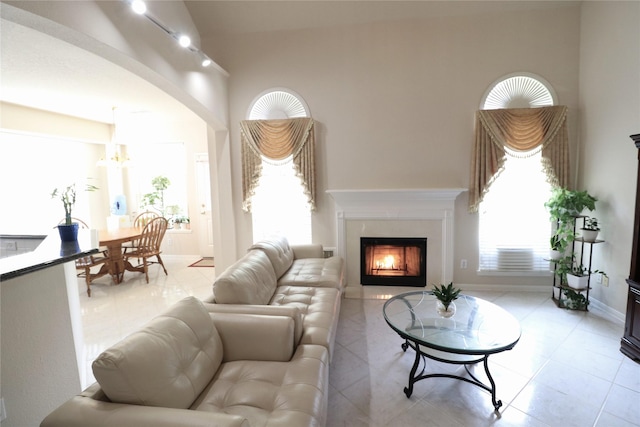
{"x": 395, "y": 101}
{"x": 610, "y": 112}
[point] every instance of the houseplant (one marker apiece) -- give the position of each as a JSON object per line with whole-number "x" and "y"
{"x": 558, "y": 243}
{"x": 446, "y": 295}
{"x": 574, "y": 300}
{"x": 182, "y": 221}
{"x": 590, "y": 230}
{"x": 69, "y": 230}
{"x": 155, "y": 199}
{"x": 564, "y": 205}
{"x": 578, "y": 277}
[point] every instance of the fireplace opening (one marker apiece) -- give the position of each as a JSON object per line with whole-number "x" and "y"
{"x": 399, "y": 261}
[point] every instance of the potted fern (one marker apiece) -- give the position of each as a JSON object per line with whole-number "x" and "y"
{"x": 69, "y": 230}
{"x": 446, "y": 295}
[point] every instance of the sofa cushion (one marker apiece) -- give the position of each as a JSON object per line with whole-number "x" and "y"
{"x": 320, "y": 308}
{"x": 167, "y": 363}
{"x": 250, "y": 280}
{"x": 278, "y": 251}
{"x": 273, "y": 394}
{"x": 323, "y": 272}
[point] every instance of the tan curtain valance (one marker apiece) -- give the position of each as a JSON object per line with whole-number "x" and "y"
{"x": 521, "y": 130}
{"x": 276, "y": 140}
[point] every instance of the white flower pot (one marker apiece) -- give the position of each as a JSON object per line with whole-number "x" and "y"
{"x": 577, "y": 282}
{"x": 589, "y": 235}
{"x": 555, "y": 255}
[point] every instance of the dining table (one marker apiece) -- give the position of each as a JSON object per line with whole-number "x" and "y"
{"x": 113, "y": 240}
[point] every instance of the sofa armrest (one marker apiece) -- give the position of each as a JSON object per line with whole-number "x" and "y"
{"x": 255, "y": 336}
{"x": 87, "y": 409}
{"x": 271, "y": 310}
{"x": 307, "y": 251}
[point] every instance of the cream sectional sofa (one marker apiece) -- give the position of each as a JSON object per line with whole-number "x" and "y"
{"x": 190, "y": 367}
{"x": 275, "y": 277}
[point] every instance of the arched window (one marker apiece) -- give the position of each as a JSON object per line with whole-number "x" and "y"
{"x": 514, "y": 226}
{"x": 279, "y": 203}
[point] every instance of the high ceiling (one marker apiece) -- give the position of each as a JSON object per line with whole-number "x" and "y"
{"x": 43, "y": 72}
{"x": 241, "y": 16}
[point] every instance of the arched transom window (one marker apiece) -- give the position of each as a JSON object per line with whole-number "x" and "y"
{"x": 279, "y": 205}
{"x": 514, "y": 226}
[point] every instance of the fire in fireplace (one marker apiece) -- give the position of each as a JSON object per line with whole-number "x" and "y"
{"x": 399, "y": 261}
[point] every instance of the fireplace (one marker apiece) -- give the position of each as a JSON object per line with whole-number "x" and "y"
{"x": 398, "y": 261}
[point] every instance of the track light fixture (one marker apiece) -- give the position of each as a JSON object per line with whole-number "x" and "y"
{"x": 184, "y": 40}
{"x": 140, "y": 8}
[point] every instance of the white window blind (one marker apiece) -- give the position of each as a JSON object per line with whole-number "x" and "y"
{"x": 514, "y": 224}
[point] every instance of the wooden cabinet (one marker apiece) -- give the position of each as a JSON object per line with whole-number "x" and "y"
{"x": 630, "y": 344}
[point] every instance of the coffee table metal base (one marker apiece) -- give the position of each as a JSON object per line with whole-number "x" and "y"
{"x": 465, "y": 360}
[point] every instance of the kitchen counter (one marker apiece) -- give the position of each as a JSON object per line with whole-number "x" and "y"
{"x": 50, "y": 252}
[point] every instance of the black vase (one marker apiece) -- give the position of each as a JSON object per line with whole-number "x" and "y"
{"x": 68, "y": 233}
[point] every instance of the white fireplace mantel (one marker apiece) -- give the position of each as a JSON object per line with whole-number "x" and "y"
{"x": 399, "y": 205}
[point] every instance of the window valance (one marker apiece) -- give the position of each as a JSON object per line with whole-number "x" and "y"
{"x": 276, "y": 140}
{"x": 521, "y": 130}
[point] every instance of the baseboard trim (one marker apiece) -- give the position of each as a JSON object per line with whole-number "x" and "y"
{"x": 385, "y": 292}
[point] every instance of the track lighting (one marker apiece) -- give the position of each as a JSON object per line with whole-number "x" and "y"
{"x": 140, "y": 8}
{"x": 184, "y": 40}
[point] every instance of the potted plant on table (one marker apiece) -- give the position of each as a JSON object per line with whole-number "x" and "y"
{"x": 69, "y": 230}
{"x": 182, "y": 221}
{"x": 578, "y": 277}
{"x": 446, "y": 295}
{"x": 590, "y": 230}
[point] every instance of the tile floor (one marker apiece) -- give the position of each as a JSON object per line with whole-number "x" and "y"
{"x": 566, "y": 370}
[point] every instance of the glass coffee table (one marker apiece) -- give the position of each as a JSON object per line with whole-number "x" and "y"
{"x": 477, "y": 330}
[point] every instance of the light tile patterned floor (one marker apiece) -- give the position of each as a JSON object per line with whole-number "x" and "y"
{"x": 566, "y": 370}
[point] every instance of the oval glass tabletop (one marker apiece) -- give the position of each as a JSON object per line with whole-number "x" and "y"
{"x": 478, "y": 327}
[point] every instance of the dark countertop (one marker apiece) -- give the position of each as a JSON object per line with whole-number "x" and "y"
{"x": 50, "y": 252}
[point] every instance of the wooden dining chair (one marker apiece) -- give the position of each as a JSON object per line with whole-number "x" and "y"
{"x": 141, "y": 220}
{"x": 148, "y": 245}
{"x": 144, "y": 218}
{"x": 84, "y": 264}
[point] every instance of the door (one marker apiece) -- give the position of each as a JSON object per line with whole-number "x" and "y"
{"x": 205, "y": 221}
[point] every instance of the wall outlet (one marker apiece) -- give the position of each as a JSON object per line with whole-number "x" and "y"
{"x": 463, "y": 264}
{"x": 11, "y": 246}
{"x": 605, "y": 280}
